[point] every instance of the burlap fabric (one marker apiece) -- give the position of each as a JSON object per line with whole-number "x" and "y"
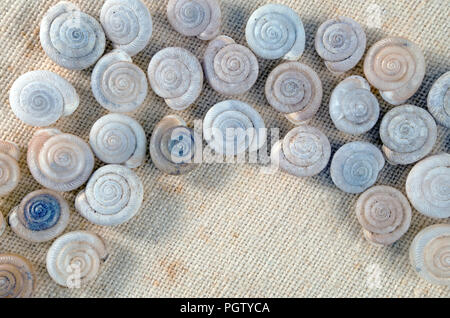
{"x": 230, "y": 230}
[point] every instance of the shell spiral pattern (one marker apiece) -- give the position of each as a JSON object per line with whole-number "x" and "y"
{"x": 9, "y": 167}
{"x": 439, "y": 100}
{"x": 17, "y": 277}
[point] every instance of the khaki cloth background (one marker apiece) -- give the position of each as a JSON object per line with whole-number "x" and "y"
{"x": 230, "y": 230}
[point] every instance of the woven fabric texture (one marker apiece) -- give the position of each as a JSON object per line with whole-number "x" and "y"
{"x": 229, "y": 230}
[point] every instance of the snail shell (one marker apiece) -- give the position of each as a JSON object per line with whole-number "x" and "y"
{"x": 173, "y": 146}
{"x": 112, "y": 196}
{"x": 231, "y": 127}
{"x": 355, "y": 166}
{"x": 275, "y": 31}
{"x": 353, "y": 108}
{"x": 200, "y": 18}
{"x": 304, "y": 152}
{"x": 439, "y": 100}
{"x": 428, "y": 186}
{"x": 384, "y": 213}
{"x": 396, "y": 67}
{"x": 295, "y": 89}
{"x": 58, "y": 161}
{"x": 128, "y": 24}
{"x": 230, "y": 68}
{"x": 341, "y": 42}
{"x": 40, "y": 98}
{"x": 176, "y": 75}
{"x": 70, "y": 37}
{"x": 76, "y": 255}
{"x": 17, "y": 277}
{"x": 430, "y": 254}
{"x": 41, "y": 216}
{"x": 408, "y": 134}
{"x": 9, "y": 168}
{"x": 118, "y": 84}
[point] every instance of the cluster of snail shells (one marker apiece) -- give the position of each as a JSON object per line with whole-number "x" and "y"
{"x": 17, "y": 276}
{"x": 439, "y": 100}
{"x": 9, "y": 167}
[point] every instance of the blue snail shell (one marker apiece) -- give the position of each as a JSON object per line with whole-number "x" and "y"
{"x": 42, "y": 212}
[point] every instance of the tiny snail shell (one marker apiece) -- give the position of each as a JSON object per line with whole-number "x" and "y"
{"x": 9, "y": 167}
{"x": 176, "y": 75}
{"x": 396, "y": 67}
{"x": 71, "y": 38}
{"x": 173, "y": 146}
{"x": 74, "y": 259}
{"x": 17, "y": 277}
{"x": 58, "y": 161}
{"x": 231, "y": 127}
{"x": 353, "y": 108}
{"x": 118, "y": 84}
{"x": 384, "y": 213}
{"x": 428, "y": 186}
{"x": 276, "y": 31}
{"x": 408, "y": 134}
{"x": 200, "y": 18}
{"x": 295, "y": 89}
{"x": 119, "y": 139}
{"x": 341, "y": 42}
{"x": 355, "y": 166}
{"x": 40, "y": 98}
{"x": 2, "y": 224}
{"x": 304, "y": 152}
{"x": 430, "y": 254}
{"x": 112, "y": 196}
{"x": 439, "y": 100}
{"x": 41, "y": 216}
{"x": 230, "y": 68}
{"x": 128, "y": 24}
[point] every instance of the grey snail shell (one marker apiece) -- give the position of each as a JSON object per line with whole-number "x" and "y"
{"x": 9, "y": 167}
{"x": 439, "y": 100}
{"x": 17, "y": 276}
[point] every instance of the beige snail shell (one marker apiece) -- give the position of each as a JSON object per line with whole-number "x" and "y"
{"x": 17, "y": 276}
{"x": 439, "y": 100}
{"x": 9, "y": 167}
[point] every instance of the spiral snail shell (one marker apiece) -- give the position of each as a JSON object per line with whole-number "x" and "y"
{"x": 430, "y": 254}
{"x": 230, "y": 68}
{"x": 396, "y": 67}
{"x": 341, "y": 42}
{"x": 40, "y": 98}
{"x": 9, "y": 168}
{"x": 128, "y": 24}
{"x": 355, "y": 166}
{"x": 112, "y": 196}
{"x": 176, "y": 75}
{"x": 71, "y": 38}
{"x": 428, "y": 186}
{"x": 17, "y": 276}
{"x": 304, "y": 152}
{"x": 58, "y": 161}
{"x": 439, "y": 100}
{"x": 200, "y": 18}
{"x": 408, "y": 134}
{"x": 353, "y": 108}
{"x": 41, "y": 216}
{"x": 276, "y": 31}
{"x": 74, "y": 259}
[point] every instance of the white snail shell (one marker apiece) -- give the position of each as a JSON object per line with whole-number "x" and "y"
{"x": 118, "y": 84}
{"x": 40, "y": 98}
{"x": 112, "y": 196}
{"x": 305, "y": 151}
{"x": 128, "y": 24}
{"x": 355, "y": 166}
{"x": 230, "y": 68}
{"x": 295, "y": 89}
{"x": 58, "y": 161}
{"x": 384, "y": 213}
{"x": 231, "y": 127}
{"x": 41, "y": 216}
{"x": 430, "y": 254}
{"x": 76, "y": 255}
{"x": 396, "y": 67}
{"x": 428, "y": 186}
{"x": 173, "y": 146}
{"x": 353, "y": 108}
{"x": 9, "y": 167}
{"x": 276, "y": 31}
{"x": 341, "y": 42}
{"x": 408, "y": 134}
{"x": 176, "y": 75}
{"x": 17, "y": 277}
{"x": 439, "y": 100}
{"x": 71, "y": 38}
{"x": 200, "y": 18}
